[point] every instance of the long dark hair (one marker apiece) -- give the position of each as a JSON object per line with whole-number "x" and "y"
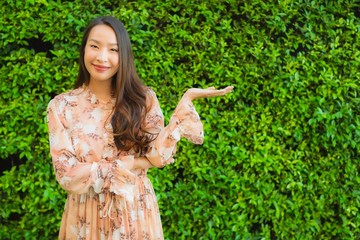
{"x": 129, "y": 91}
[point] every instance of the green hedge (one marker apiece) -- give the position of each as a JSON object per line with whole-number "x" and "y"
{"x": 281, "y": 153}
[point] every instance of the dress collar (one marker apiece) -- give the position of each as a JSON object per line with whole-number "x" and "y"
{"x": 92, "y": 98}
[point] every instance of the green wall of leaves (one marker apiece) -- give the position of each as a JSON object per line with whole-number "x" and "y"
{"x": 281, "y": 153}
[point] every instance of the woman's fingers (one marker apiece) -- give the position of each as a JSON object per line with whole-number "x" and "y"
{"x": 229, "y": 88}
{"x": 195, "y": 93}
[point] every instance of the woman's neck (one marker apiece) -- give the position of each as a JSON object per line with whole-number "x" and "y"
{"x": 102, "y": 89}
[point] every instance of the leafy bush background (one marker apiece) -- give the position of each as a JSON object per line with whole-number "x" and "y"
{"x": 281, "y": 153}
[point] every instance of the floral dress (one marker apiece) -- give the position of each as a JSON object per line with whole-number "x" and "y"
{"x": 107, "y": 198}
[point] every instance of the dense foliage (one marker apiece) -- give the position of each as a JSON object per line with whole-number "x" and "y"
{"x": 281, "y": 153}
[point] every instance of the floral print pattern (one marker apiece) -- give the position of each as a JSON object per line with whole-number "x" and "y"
{"x": 107, "y": 198}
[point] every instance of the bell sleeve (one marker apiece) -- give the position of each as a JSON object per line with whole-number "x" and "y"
{"x": 184, "y": 122}
{"x": 78, "y": 176}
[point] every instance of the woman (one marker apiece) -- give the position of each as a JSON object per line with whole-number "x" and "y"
{"x": 106, "y": 133}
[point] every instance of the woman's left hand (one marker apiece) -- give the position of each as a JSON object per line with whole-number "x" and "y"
{"x": 194, "y": 93}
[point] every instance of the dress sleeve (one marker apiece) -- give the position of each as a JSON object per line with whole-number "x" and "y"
{"x": 78, "y": 176}
{"x": 185, "y": 122}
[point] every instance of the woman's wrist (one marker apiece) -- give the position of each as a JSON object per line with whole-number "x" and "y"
{"x": 142, "y": 163}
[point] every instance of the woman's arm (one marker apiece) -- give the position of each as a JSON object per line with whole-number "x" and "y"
{"x": 73, "y": 174}
{"x": 185, "y": 122}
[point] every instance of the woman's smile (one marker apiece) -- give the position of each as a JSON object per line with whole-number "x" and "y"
{"x": 100, "y": 68}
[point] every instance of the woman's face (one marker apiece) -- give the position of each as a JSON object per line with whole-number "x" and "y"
{"x": 101, "y": 56}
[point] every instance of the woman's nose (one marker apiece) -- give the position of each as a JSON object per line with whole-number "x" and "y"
{"x": 102, "y": 56}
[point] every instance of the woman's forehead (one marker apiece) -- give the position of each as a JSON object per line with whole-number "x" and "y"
{"x": 103, "y": 34}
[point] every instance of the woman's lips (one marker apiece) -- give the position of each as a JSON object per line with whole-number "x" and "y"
{"x": 100, "y": 68}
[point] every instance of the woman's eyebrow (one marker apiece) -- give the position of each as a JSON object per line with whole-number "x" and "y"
{"x": 98, "y": 42}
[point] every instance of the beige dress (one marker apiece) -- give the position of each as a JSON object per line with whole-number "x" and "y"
{"x": 107, "y": 198}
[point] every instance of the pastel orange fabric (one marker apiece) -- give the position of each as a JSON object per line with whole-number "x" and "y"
{"x": 107, "y": 198}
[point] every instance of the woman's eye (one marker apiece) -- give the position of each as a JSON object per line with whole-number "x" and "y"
{"x": 93, "y": 46}
{"x": 114, "y": 50}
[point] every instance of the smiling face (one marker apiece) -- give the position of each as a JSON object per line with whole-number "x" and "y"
{"x": 101, "y": 56}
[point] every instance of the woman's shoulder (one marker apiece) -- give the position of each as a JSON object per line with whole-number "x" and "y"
{"x": 70, "y": 94}
{"x": 150, "y": 93}
{"x": 68, "y": 97}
